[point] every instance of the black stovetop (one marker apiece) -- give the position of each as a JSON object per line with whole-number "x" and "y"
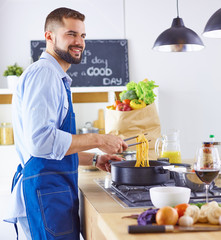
{"x": 138, "y": 196}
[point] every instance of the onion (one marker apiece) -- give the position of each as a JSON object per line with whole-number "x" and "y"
{"x": 166, "y": 216}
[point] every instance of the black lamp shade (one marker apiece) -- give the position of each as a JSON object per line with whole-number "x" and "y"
{"x": 178, "y": 38}
{"x": 213, "y": 26}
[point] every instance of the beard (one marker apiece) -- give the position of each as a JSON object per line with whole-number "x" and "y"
{"x": 66, "y": 56}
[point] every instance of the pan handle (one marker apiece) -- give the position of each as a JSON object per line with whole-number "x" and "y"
{"x": 163, "y": 159}
{"x": 160, "y": 170}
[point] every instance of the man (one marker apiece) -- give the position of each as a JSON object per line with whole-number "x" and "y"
{"x": 45, "y": 191}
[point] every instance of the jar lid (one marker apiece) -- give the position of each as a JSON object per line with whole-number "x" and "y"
{"x": 212, "y": 143}
{"x": 5, "y": 124}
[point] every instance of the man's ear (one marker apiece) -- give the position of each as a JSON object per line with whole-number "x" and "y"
{"x": 49, "y": 37}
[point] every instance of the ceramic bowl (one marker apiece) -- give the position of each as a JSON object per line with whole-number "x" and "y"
{"x": 169, "y": 196}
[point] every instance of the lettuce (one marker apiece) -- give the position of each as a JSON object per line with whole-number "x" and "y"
{"x": 143, "y": 89}
{"x": 131, "y": 86}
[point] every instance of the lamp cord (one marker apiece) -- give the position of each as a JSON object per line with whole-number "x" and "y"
{"x": 177, "y": 8}
{"x": 124, "y": 15}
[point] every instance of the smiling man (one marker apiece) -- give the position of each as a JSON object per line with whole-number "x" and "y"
{"x": 65, "y": 43}
{"x": 45, "y": 191}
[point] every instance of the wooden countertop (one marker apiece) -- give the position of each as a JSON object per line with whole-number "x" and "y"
{"x": 116, "y": 227}
{"x": 102, "y": 216}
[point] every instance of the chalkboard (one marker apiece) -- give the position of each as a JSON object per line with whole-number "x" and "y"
{"x": 104, "y": 63}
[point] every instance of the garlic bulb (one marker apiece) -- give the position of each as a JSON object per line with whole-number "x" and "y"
{"x": 185, "y": 221}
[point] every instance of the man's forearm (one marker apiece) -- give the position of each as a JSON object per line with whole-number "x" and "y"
{"x": 83, "y": 142}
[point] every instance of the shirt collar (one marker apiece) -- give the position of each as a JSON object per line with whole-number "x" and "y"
{"x": 62, "y": 73}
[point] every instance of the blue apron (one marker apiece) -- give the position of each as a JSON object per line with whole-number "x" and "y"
{"x": 50, "y": 190}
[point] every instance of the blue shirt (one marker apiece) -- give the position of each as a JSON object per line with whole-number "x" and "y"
{"x": 39, "y": 107}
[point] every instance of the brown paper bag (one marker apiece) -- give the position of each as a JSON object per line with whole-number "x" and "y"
{"x": 131, "y": 123}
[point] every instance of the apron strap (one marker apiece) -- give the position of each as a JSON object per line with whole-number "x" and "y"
{"x": 16, "y": 230}
{"x": 14, "y": 181}
{"x": 17, "y": 176}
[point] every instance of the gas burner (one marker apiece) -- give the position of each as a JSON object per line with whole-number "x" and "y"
{"x": 139, "y": 197}
{"x": 131, "y": 193}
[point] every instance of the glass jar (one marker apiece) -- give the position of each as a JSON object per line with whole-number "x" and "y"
{"x": 6, "y": 132}
{"x": 168, "y": 146}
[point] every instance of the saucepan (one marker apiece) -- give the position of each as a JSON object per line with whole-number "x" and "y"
{"x": 127, "y": 155}
{"x": 88, "y": 128}
{"x": 188, "y": 178}
{"x": 183, "y": 176}
{"x": 125, "y": 172}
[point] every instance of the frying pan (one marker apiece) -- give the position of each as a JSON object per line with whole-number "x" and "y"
{"x": 125, "y": 173}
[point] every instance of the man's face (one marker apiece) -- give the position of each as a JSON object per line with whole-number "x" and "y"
{"x": 70, "y": 41}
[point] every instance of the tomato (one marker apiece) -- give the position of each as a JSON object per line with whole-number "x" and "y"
{"x": 166, "y": 216}
{"x": 126, "y": 101}
{"x": 116, "y": 103}
{"x": 181, "y": 208}
{"x": 123, "y": 107}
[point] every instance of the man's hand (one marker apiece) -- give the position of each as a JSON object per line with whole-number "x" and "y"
{"x": 112, "y": 144}
{"x": 103, "y": 161}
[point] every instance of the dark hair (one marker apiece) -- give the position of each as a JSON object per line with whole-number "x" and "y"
{"x": 57, "y": 15}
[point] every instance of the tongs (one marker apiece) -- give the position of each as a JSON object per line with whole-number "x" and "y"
{"x": 127, "y": 139}
{"x": 133, "y": 144}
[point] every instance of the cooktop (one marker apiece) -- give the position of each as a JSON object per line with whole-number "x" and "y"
{"x": 138, "y": 196}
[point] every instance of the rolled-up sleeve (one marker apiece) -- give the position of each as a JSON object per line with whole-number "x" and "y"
{"x": 44, "y": 106}
{"x": 61, "y": 147}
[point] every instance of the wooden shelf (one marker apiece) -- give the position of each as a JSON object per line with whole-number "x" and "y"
{"x": 90, "y": 97}
{"x": 79, "y": 94}
{"x": 6, "y": 99}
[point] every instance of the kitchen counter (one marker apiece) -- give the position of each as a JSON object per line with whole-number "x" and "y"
{"x": 101, "y": 215}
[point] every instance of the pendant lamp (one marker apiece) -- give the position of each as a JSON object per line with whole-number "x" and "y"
{"x": 213, "y": 26}
{"x": 178, "y": 38}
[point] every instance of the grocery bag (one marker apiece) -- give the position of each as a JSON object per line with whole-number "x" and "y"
{"x": 127, "y": 124}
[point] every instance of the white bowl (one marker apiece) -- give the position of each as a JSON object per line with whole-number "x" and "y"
{"x": 169, "y": 196}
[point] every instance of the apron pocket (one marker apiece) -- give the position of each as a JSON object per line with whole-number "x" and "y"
{"x": 56, "y": 208}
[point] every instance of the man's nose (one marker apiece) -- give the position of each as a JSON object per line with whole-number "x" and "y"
{"x": 79, "y": 41}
